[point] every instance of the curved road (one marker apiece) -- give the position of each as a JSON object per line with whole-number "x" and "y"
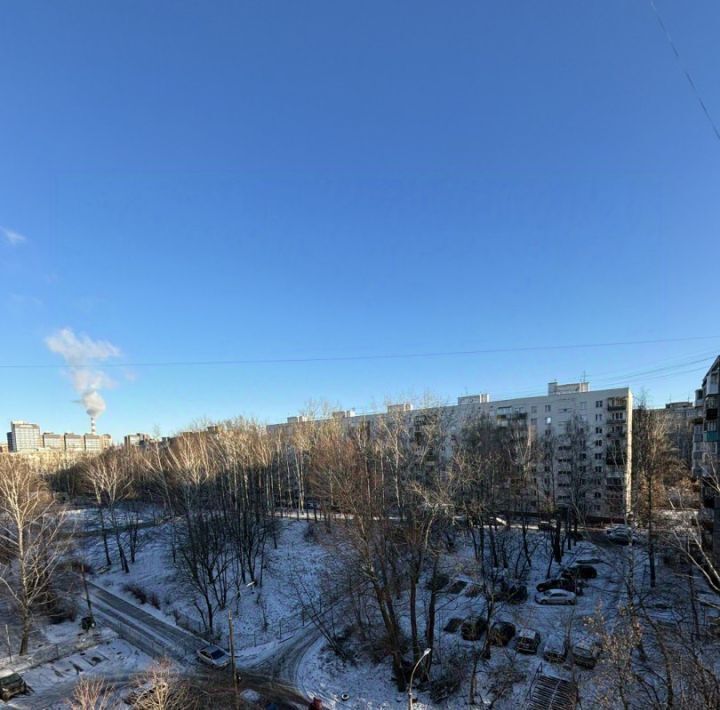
{"x": 274, "y": 678}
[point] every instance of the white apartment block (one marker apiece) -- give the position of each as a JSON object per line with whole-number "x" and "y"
{"x": 605, "y": 463}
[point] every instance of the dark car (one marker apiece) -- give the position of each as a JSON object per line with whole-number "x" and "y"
{"x": 545, "y": 525}
{"x": 510, "y": 592}
{"x": 528, "y": 641}
{"x": 516, "y": 593}
{"x": 11, "y": 684}
{"x": 583, "y": 571}
{"x": 472, "y": 629}
{"x": 501, "y": 632}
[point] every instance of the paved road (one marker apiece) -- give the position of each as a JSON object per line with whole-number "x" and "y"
{"x": 273, "y": 678}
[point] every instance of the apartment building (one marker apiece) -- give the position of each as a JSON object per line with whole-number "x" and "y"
{"x": 56, "y": 442}
{"x": 591, "y": 431}
{"x": 24, "y": 436}
{"x": 706, "y": 460}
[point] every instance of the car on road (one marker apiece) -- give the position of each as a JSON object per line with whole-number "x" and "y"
{"x": 213, "y": 656}
{"x": 556, "y": 596}
{"x": 501, "y": 633}
{"x": 586, "y": 652}
{"x": 545, "y": 525}
{"x": 556, "y": 648}
{"x": 528, "y": 641}
{"x": 11, "y": 684}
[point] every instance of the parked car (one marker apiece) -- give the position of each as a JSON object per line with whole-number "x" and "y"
{"x": 213, "y": 656}
{"x": 472, "y": 628}
{"x": 556, "y": 648}
{"x": 528, "y": 641}
{"x": 568, "y": 584}
{"x": 11, "y": 684}
{"x": 556, "y": 596}
{"x": 586, "y": 652}
{"x": 580, "y": 570}
{"x": 622, "y": 534}
{"x": 501, "y": 633}
{"x": 510, "y": 592}
{"x": 516, "y": 593}
{"x": 545, "y": 525}
{"x": 623, "y": 537}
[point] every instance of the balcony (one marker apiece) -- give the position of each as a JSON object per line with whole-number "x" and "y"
{"x": 616, "y": 405}
{"x": 615, "y": 458}
{"x": 711, "y": 436}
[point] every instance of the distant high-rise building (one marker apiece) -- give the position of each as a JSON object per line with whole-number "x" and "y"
{"x": 24, "y": 436}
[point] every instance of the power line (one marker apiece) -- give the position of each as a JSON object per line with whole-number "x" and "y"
{"x": 684, "y": 69}
{"x": 362, "y": 358}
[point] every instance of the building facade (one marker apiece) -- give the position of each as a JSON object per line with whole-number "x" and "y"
{"x": 590, "y": 431}
{"x": 706, "y": 461}
{"x": 24, "y": 436}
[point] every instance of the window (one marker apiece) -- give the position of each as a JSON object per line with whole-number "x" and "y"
{"x": 583, "y": 405}
{"x": 598, "y": 404}
{"x": 533, "y": 421}
{"x": 598, "y": 442}
{"x": 597, "y": 495}
{"x": 598, "y": 457}
{"x": 598, "y": 417}
{"x": 548, "y": 407}
{"x": 548, "y": 420}
{"x": 711, "y": 425}
{"x": 533, "y": 409}
{"x": 598, "y": 430}
{"x": 598, "y": 469}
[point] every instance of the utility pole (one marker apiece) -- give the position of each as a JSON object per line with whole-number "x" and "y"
{"x": 232, "y": 660}
{"x": 85, "y": 587}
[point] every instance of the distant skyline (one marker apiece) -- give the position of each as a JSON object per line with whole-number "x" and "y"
{"x": 321, "y": 181}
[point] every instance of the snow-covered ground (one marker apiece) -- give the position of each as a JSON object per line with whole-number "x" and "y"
{"x": 268, "y": 618}
{"x": 52, "y": 684}
{"x": 262, "y": 615}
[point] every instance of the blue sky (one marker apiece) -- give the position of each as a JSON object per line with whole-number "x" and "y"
{"x": 263, "y": 180}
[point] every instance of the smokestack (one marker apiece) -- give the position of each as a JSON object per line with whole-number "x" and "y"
{"x": 92, "y": 425}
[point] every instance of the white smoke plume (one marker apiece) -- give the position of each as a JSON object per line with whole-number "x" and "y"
{"x": 82, "y": 354}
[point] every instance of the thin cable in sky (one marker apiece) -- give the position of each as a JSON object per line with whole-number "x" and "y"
{"x": 385, "y": 356}
{"x": 685, "y": 71}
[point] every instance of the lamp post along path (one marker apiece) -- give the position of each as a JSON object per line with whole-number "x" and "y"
{"x": 412, "y": 675}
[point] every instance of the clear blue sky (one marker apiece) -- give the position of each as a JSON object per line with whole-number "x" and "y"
{"x": 218, "y": 180}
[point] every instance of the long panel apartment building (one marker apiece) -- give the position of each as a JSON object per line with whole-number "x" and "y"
{"x": 706, "y": 460}
{"x": 603, "y": 418}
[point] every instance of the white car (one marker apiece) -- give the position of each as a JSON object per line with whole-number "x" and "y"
{"x": 214, "y": 656}
{"x": 555, "y": 596}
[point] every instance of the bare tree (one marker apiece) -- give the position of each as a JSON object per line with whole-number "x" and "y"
{"x": 91, "y": 694}
{"x": 30, "y": 531}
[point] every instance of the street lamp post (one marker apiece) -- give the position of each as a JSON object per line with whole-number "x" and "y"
{"x": 412, "y": 675}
